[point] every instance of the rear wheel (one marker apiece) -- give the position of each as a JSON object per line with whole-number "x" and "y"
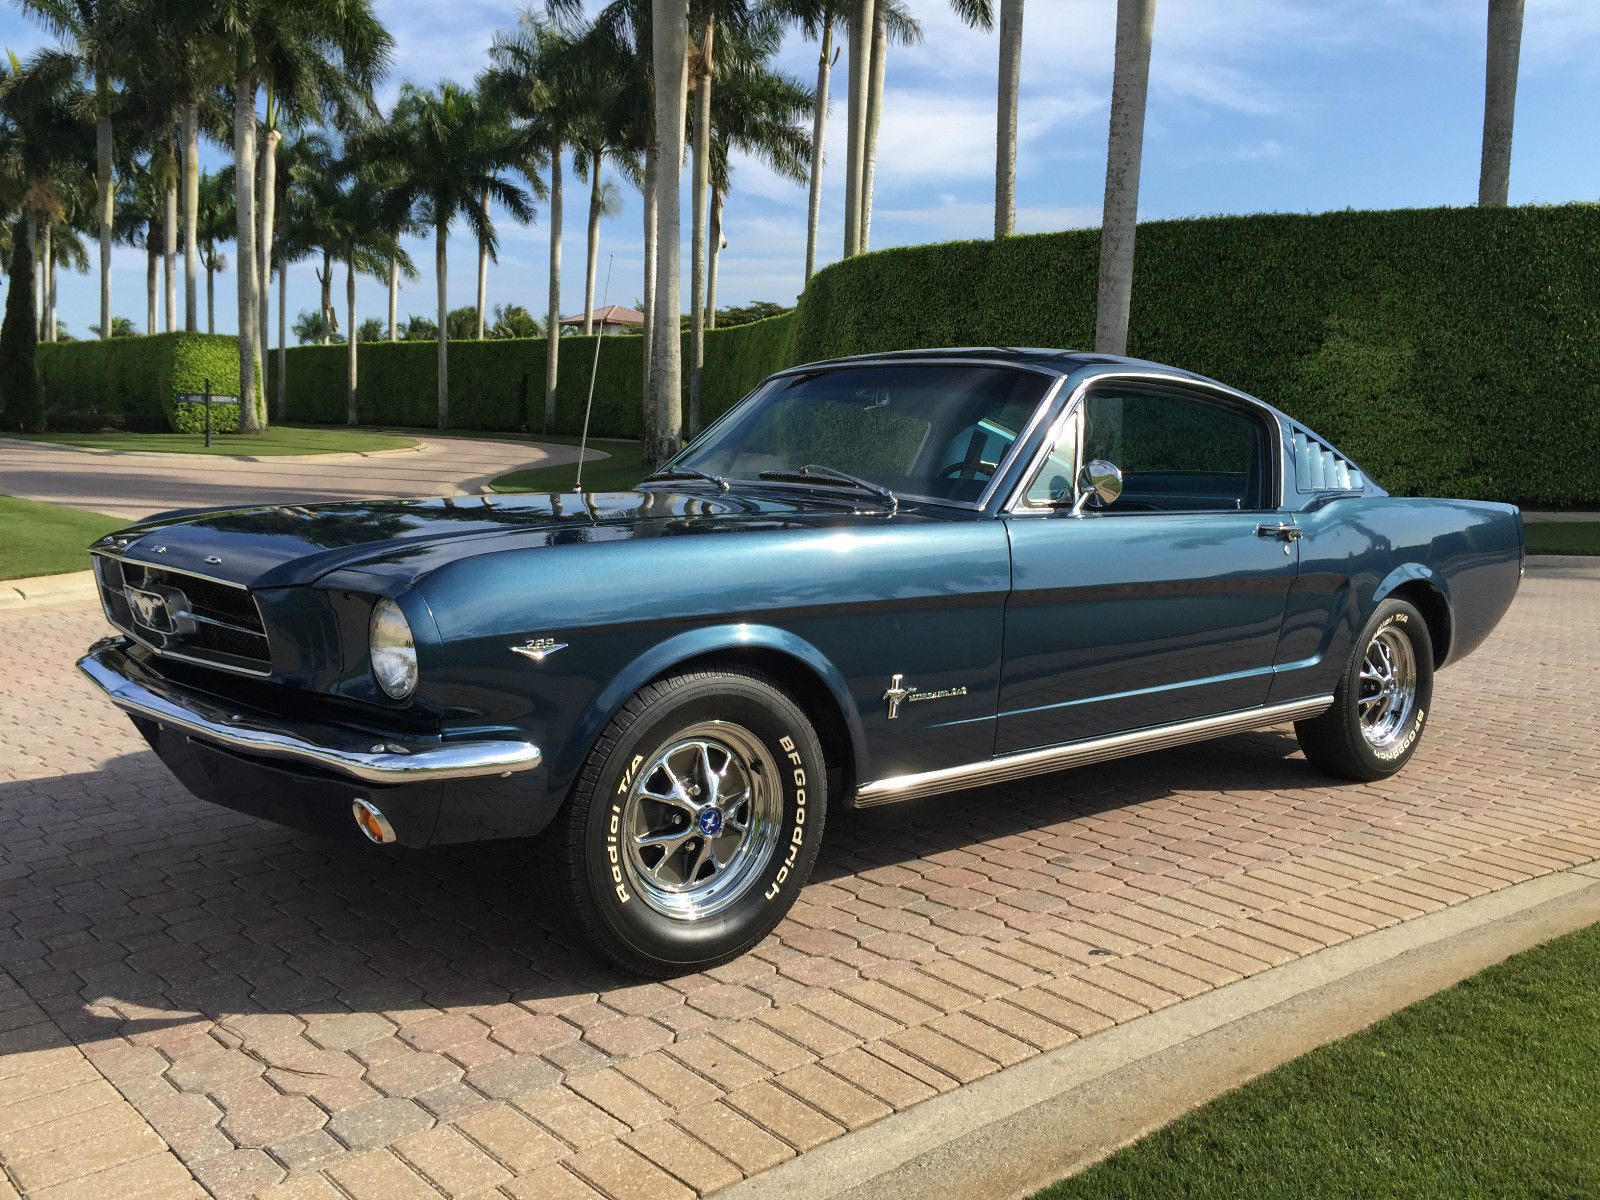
{"x": 694, "y": 822}
{"x": 1382, "y": 701}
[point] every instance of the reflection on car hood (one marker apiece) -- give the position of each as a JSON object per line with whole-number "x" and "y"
{"x": 269, "y": 547}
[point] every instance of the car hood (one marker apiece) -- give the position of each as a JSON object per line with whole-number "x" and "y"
{"x": 296, "y": 544}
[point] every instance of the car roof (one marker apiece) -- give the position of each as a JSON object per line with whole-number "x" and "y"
{"x": 1063, "y": 362}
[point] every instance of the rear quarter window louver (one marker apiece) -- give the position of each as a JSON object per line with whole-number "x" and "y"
{"x": 1318, "y": 467}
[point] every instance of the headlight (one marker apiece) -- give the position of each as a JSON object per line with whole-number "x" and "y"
{"x": 394, "y": 655}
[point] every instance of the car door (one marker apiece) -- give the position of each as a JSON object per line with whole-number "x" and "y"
{"x": 1165, "y": 605}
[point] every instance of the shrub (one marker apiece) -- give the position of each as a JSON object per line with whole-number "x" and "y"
{"x": 134, "y": 382}
{"x": 1443, "y": 349}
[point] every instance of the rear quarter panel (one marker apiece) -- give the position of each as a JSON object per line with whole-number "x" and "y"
{"x": 1358, "y": 550}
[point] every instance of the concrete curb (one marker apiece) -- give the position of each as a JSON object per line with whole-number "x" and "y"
{"x": 334, "y": 456}
{"x": 72, "y": 588}
{"x": 1581, "y": 566}
{"x": 1027, "y": 1126}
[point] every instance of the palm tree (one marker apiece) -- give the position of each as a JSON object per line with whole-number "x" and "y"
{"x": 214, "y": 221}
{"x": 1119, "y": 222}
{"x": 329, "y": 49}
{"x": 670, "y": 42}
{"x": 364, "y": 206}
{"x": 817, "y": 19}
{"x": 536, "y": 71}
{"x": 606, "y": 129}
{"x": 1005, "y": 139}
{"x": 40, "y": 138}
{"x": 872, "y": 23}
{"x": 98, "y": 31}
{"x": 451, "y": 154}
{"x": 763, "y": 114}
{"x": 1500, "y": 100}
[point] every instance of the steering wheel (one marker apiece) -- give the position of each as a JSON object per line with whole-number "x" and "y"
{"x": 980, "y": 470}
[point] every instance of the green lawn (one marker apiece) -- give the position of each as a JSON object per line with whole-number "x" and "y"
{"x": 1488, "y": 1090}
{"x": 278, "y": 439}
{"x": 47, "y": 539}
{"x": 1563, "y": 537}
{"x": 617, "y": 473}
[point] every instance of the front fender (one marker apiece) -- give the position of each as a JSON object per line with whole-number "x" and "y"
{"x": 684, "y": 647}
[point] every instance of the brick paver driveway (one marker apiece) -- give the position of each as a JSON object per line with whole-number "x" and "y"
{"x": 290, "y": 1015}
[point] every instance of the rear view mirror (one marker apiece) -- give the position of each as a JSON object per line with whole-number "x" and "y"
{"x": 1099, "y": 480}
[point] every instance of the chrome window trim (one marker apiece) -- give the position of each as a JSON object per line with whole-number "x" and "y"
{"x": 178, "y": 655}
{"x": 981, "y": 504}
{"x": 1072, "y": 754}
{"x": 1260, "y": 411}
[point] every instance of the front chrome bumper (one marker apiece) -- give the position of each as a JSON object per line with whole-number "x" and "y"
{"x": 346, "y": 751}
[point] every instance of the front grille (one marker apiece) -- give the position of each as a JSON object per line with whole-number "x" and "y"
{"x": 197, "y": 620}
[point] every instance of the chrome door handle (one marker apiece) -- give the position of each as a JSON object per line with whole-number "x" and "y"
{"x": 1283, "y": 532}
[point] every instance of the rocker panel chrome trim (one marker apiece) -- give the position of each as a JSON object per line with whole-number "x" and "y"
{"x": 1075, "y": 754}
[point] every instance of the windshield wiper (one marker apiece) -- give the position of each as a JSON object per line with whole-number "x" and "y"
{"x": 812, "y": 472}
{"x": 688, "y": 473}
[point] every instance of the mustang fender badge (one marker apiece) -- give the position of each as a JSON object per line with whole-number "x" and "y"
{"x": 899, "y": 693}
{"x": 538, "y": 649}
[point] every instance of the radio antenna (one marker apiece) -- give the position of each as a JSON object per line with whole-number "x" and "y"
{"x": 594, "y": 367}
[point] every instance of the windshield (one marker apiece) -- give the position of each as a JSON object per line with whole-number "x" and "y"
{"x": 938, "y": 431}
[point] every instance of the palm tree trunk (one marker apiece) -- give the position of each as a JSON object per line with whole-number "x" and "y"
{"x": 244, "y": 167}
{"x": 649, "y": 339}
{"x": 713, "y": 254}
{"x": 104, "y": 194}
{"x": 553, "y": 327}
{"x": 1005, "y": 139}
{"x": 191, "y": 209}
{"x": 869, "y": 154}
{"x": 169, "y": 256}
{"x": 211, "y": 300}
{"x": 350, "y": 356}
{"x": 1130, "y": 82}
{"x": 439, "y": 267}
{"x": 47, "y": 288}
{"x": 670, "y": 53}
{"x": 697, "y": 218}
{"x": 483, "y": 268}
{"x": 326, "y": 279}
{"x": 269, "y": 202}
{"x": 819, "y": 127}
{"x": 1500, "y": 100}
{"x": 860, "y": 61}
{"x": 394, "y": 295}
{"x": 152, "y": 285}
{"x": 594, "y": 246}
{"x": 283, "y": 342}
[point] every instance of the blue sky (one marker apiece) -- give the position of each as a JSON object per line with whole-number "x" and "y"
{"x": 1255, "y": 106}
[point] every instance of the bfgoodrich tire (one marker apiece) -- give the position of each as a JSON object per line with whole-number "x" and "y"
{"x": 694, "y": 822}
{"x": 1382, "y": 702}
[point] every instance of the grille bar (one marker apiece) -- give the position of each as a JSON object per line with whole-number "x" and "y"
{"x": 199, "y": 620}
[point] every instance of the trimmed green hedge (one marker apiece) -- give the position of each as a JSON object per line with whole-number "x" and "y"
{"x": 1444, "y": 349}
{"x": 134, "y": 382}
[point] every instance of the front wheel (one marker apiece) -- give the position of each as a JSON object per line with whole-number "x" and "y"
{"x": 694, "y": 822}
{"x": 1382, "y": 701}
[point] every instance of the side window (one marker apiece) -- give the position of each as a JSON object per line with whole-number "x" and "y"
{"x": 1053, "y": 484}
{"x": 1177, "y": 453}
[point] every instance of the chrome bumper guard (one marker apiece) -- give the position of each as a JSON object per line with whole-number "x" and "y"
{"x": 350, "y": 752}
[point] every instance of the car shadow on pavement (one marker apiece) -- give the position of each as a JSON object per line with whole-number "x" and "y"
{"x": 135, "y": 908}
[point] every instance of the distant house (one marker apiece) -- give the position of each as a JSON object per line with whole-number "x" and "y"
{"x": 613, "y": 318}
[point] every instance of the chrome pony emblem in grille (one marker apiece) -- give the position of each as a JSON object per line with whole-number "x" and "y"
{"x": 150, "y": 610}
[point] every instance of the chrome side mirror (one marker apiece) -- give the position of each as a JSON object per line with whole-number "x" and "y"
{"x": 1101, "y": 480}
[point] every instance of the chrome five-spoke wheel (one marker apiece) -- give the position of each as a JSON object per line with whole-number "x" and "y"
{"x": 701, "y": 820}
{"x": 1388, "y": 687}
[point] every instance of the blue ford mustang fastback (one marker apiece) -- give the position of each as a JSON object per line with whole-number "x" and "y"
{"x": 874, "y": 579}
